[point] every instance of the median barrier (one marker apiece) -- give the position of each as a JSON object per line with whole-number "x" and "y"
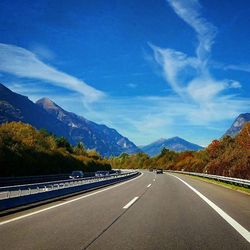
{"x": 51, "y": 194}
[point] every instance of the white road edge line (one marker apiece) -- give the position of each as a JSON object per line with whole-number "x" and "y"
{"x": 130, "y": 203}
{"x": 67, "y": 202}
{"x": 240, "y": 229}
{"x": 149, "y": 185}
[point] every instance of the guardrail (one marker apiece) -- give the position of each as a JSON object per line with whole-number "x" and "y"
{"x": 27, "y": 189}
{"x": 46, "y": 184}
{"x": 230, "y": 180}
{"x": 22, "y": 180}
{"x": 44, "y": 191}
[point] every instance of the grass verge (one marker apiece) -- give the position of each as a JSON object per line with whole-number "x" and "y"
{"x": 224, "y": 184}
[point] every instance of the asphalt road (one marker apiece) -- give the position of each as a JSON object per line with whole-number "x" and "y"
{"x": 149, "y": 212}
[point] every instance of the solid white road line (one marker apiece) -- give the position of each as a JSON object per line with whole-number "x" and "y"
{"x": 131, "y": 203}
{"x": 148, "y": 185}
{"x": 240, "y": 229}
{"x": 67, "y": 202}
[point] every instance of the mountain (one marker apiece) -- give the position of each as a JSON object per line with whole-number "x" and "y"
{"x": 105, "y": 140}
{"x": 15, "y": 107}
{"x": 176, "y": 144}
{"x": 46, "y": 114}
{"x": 238, "y": 124}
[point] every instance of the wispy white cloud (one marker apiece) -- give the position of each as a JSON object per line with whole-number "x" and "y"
{"x": 32, "y": 89}
{"x": 233, "y": 84}
{"x": 190, "y": 12}
{"x": 173, "y": 62}
{"x": 42, "y": 52}
{"x": 190, "y": 76}
{"x": 239, "y": 67}
{"x": 24, "y": 63}
{"x": 234, "y": 67}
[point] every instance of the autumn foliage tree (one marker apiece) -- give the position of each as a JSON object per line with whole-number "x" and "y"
{"x": 243, "y": 138}
{"x": 27, "y": 151}
{"x": 227, "y": 156}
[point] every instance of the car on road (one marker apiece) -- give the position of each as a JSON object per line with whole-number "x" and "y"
{"x": 159, "y": 171}
{"x": 101, "y": 173}
{"x": 76, "y": 174}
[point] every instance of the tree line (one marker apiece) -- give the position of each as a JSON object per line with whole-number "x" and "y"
{"x": 227, "y": 156}
{"x": 26, "y": 151}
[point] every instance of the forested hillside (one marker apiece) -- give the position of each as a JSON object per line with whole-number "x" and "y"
{"x": 228, "y": 157}
{"x": 27, "y": 151}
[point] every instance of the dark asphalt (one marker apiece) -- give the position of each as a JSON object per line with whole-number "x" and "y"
{"x": 167, "y": 215}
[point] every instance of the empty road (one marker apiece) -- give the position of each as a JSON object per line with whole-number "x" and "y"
{"x": 164, "y": 211}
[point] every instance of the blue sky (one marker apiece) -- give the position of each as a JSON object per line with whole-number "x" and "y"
{"x": 149, "y": 69}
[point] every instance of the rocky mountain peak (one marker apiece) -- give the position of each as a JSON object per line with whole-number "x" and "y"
{"x": 47, "y": 104}
{"x": 238, "y": 124}
{"x": 175, "y": 143}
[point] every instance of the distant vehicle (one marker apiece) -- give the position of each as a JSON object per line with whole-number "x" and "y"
{"x": 114, "y": 172}
{"x": 101, "y": 173}
{"x": 159, "y": 171}
{"x": 76, "y": 174}
{"x": 151, "y": 170}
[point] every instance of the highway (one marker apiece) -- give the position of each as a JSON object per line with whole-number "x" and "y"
{"x": 163, "y": 211}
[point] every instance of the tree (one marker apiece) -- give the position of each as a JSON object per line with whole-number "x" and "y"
{"x": 243, "y": 138}
{"x": 79, "y": 149}
{"x": 63, "y": 143}
{"x": 45, "y": 132}
{"x": 213, "y": 149}
{"x": 26, "y": 151}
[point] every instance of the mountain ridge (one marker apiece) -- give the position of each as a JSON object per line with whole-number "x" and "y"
{"x": 47, "y": 114}
{"x": 174, "y": 143}
{"x": 238, "y": 124}
{"x": 16, "y": 107}
{"x": 81, "y": 128}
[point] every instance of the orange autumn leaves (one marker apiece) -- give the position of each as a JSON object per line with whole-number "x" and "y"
{"x": 27, "y": 151}
{"x": 227, "y": 156}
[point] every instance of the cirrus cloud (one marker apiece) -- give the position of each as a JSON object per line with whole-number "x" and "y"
{"x": 190, "y": 76}
{"x": 25, "y": 64}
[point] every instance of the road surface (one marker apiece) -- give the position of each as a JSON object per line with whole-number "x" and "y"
{"x": 149, "y": 212}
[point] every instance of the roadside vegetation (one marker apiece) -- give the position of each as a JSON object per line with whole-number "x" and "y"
{"x": 26, "y": 151}
{"x": 227, "y": 156}
{"x": 224, "y": 184}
